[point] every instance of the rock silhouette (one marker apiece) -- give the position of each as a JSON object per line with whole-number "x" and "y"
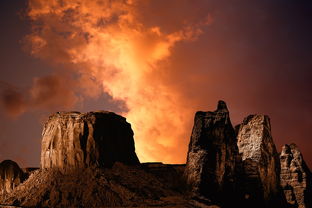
{"x": 260, "y": 162}
{"x": 296, "y": 178}
{"x": 77, "y": 140}
{"x": 211, "y": 159}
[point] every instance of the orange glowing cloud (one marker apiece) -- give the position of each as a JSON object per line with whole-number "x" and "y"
{"x": 111, "y": 42}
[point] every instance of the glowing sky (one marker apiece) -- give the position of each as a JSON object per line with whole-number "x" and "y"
{"x": 156, "y": 63}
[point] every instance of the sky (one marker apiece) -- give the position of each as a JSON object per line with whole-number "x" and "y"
{"x": 156, "y": 63}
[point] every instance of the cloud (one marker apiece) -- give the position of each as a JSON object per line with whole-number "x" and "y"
{"x": 167, "y": 59}
{"x": 12, "y": 101}
{"x": 120, "y": 45}
{"x": 51, "y": 92}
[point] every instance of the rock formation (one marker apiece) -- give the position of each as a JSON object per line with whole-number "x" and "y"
{"x": 169, "y": 174}
{"x": 118, "y": 186}
{"x": 260, "y": 162}
{"x": 89, "y": 160}
{"x": 11, "y": 176}
{"x": 77, "y": 140}
{"x": 296, "y": 179}
{"x": 211, "y": 160}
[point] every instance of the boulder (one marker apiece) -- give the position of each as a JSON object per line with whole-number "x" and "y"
{"x": 211, "y": 160}
{"x": 11, "y": 176}
{"x": 295, "y": 177}
{"x": 260, "y": 162}
{"x": 77, "y": 140}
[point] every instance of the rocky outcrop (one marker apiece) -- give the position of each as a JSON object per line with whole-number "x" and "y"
{"x": 119, "y": 186}
{"x": 295, "y": 177}
{"x": 225, "y": 167}
{"x": 11, "y": 176}
{"x": 260, "y": 162}
{"x": 211, "y": 159}
{"x": 169, "y": 174}
{"x": 77, "y": 140}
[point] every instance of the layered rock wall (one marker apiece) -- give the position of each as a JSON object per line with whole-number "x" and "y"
{"x": 77, "y": 140}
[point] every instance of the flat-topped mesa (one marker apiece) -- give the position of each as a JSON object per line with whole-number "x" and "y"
{"x": 10, "y": 176}
{"x": 211, "y": 160}
{"x": 296, "y": 178}
{"x": 260, "y": 160}
{"x": 77, "y": 140}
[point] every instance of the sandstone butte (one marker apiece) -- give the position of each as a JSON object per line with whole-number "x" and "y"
{"x": 76, "y": 140}
{"x": 89, "y": 160}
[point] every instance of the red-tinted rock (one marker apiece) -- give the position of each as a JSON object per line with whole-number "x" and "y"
{"x": 11, "y": 176}
{"x": 77, "y": 140}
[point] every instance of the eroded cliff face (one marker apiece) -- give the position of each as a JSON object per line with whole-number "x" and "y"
{"x": 11, "y": 176}
{"x": 260, "y": 162}
{"x": 225, "y": 167}
{"x": 295, "y": 177}
{"x": 211, "y": 159}
{"x": 77, "y": 140}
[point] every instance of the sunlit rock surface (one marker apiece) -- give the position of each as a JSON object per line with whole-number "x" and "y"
{"x": 211, "y": 158}
{"x": 260, "y": 161}
{"x": 11, "y": 176}
{"x": 77, "y": 140}
{"x": 295, "y": 177}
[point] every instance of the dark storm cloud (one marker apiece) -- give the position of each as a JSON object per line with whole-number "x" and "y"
{"x": 12, "y": 100}
{"x": 51, "y": 92}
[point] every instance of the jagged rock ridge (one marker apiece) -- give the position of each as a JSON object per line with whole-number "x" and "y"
{"x": 296, "y": 178}
{"x": 81, "y": 155}
{"x": 77, "y": 140}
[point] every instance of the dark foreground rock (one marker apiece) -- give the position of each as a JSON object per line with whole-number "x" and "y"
{"x": 296, "y": 178}
{"x": 169, "y": 174}
{"x": 211, "y": 160}
{"x": 11, "y": 176}
{"x": 78, "y": 140}
{"x": 261, "y": 167}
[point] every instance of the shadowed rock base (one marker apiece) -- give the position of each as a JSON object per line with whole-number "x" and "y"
{"x": 119, "y": 186}
{"x": 296, "y": 178}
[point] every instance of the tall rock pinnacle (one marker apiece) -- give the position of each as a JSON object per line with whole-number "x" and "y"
{"x": 211, "y": 158}
{"x": 261, "y": 167}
